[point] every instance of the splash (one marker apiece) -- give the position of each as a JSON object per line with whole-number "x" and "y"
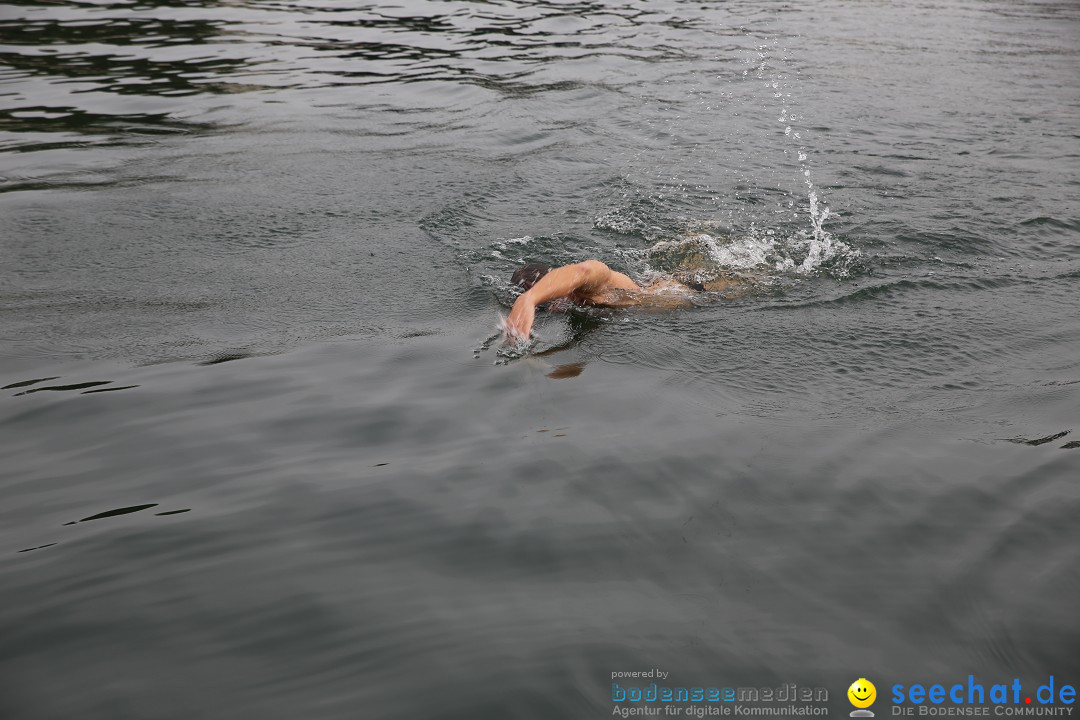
{"x": 701, "y": 252}
{"x": 508, "y": 344}
{"x": 819, "y": 244}
{"x": 628, "y": 220}
{"x": 708, "y": 252}
{"x": 790, "y": 238}
{"x": 511, "y": 335}
{"x": 500, "y": 247}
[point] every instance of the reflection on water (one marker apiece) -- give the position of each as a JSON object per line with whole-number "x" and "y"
{"x": 63, "y": 388}
{"x": 60, "y": 388}
{"x": 566, "y": 370}
{"x": 117, "y": 511}
{"x": 1042, "y": 440}
{"x": 77, "y": 52}
{"x": 24, "y": 383}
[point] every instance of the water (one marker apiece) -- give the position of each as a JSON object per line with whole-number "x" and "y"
{"x": 264, "y": 457}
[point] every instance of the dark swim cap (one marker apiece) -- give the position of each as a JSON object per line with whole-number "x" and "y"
{"x": 527, "y": 275}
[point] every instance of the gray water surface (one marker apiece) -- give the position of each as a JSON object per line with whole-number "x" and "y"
{"x": 265, "y": 457}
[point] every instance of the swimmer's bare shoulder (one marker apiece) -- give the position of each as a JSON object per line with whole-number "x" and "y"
{"x": 588, "y": 281}
{"x": 611, "y": 287}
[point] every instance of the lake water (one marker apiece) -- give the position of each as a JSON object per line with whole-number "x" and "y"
{"x": 264, "y": 455}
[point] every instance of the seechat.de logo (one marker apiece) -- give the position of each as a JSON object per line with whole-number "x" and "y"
{"x": 862, "y": 695}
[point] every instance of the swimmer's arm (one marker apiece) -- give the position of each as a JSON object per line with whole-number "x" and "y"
{"x": 587, "y": 277}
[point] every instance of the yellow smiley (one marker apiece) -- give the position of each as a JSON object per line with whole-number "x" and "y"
{"x": 862, "y": 693}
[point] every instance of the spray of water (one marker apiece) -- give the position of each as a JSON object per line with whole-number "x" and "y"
{"x": 794, "y": 241}
{"x": 820, "y": 245}
{"x": 511, "y": 335}
{"x": 508, "y": 346}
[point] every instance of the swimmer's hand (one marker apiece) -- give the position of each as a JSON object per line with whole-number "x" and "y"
{"x": 519, "y": 323}
{"x": 585, "y": 277}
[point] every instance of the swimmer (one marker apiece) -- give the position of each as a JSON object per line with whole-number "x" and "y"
{"x": 594, "y": 283}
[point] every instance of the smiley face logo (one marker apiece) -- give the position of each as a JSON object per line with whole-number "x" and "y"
{"x": 862, "y": 693}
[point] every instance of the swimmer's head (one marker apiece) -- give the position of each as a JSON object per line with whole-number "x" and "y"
{"x": 527, "y": 275}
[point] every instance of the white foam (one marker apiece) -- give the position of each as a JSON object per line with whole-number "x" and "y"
{"x": 801, "y": 253}
{"x": 519, "y": 344}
